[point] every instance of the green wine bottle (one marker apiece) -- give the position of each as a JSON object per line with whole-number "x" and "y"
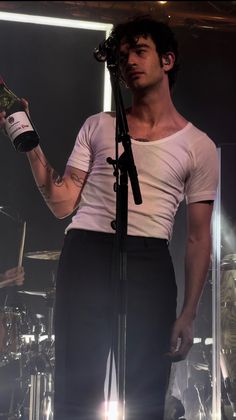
{"x": 19, "y": 126}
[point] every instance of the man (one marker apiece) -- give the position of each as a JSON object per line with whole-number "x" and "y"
{"x": 173, "y": 159}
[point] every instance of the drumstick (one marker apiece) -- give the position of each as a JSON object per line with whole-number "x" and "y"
{"x": 22, "y": 246}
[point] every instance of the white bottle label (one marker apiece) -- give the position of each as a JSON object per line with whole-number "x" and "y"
{"x": 17, "y": 123}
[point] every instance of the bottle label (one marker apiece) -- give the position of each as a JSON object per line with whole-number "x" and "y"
{"x": 17, "y": 123}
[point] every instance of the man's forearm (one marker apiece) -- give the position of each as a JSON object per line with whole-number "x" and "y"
{"x": 196, "y": 267}
{"x": 50, "y": 184}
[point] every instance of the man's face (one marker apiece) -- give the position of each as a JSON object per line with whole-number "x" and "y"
{"x": 140, "y": 64}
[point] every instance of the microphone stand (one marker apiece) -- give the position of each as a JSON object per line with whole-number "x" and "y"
{"x": 124, "y": 167}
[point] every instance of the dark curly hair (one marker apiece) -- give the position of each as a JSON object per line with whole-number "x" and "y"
{"x": 160, "y": 32}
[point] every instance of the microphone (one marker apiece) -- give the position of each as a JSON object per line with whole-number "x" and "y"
{"x": 105, "y": 49}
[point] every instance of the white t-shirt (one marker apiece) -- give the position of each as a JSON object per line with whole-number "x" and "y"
{"x": 184, "y": 164}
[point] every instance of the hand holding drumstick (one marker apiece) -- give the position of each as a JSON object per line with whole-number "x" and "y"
{"x": 12, "y": 277}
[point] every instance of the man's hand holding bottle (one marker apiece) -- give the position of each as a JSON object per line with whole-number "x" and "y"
{"x": 15, "y": 120}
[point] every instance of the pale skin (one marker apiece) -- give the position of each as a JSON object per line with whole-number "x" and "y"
{"x": 151, "y": 116}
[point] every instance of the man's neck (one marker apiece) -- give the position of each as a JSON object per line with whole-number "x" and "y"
{"x": 152, "y": 108}
{"x": 153, "y": 116}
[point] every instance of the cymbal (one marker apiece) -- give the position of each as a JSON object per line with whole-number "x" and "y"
{"x": 33, "y": 292}
{"x": 44, "y": 255}
{"x": 45, "y": 294}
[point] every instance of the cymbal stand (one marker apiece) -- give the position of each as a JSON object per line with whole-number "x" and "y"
{"x": 35, "y": 378}
{"x": 41, "y": 390}
{"x": 41, "y": 378}
{"x": 49, "y": 388}
{"x": 49, "y": 385}
{"x": 50, "y": 304}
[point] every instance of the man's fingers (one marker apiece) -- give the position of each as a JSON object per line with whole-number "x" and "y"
{"x": 15, "y": 275}
{"x": 25, "y": 104}
{"x": 179, "y": 347}
{"x": 2, "y": 122}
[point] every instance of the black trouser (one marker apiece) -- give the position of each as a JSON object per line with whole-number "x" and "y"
{"x": 84, "y": 313}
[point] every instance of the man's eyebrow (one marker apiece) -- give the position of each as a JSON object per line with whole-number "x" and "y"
{"x": 141, "y": 46}
{"x": 135, "y": 47}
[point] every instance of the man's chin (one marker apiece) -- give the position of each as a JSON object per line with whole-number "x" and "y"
{"x": 135, "y": 85}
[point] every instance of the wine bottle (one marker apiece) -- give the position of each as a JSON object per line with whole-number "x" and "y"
{"x": 19, "y": 126}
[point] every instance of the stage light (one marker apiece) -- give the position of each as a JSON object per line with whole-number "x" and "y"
{"x": 68, "y": 23}
{"x": 111, "y": 410}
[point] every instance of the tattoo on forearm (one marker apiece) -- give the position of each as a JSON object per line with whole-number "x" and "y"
{"x": 41, "y": 159}
{"x": 77, "y": 180}
{"x": 44, "y": 192}
{"x": 57, "y": 179}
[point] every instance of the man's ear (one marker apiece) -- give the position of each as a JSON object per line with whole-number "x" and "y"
{"x": 168, "y": 59}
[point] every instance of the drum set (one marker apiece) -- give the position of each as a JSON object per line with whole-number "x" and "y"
{"x": 28, "y": 340}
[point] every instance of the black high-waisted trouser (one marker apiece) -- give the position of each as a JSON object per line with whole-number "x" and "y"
{"x": 84, "y": 324}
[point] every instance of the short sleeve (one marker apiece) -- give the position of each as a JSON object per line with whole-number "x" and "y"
{"x": 204, "y": 176}
{"x": 81, "y": 155}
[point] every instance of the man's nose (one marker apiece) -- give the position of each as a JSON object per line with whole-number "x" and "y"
{"x": 131, "y": 60}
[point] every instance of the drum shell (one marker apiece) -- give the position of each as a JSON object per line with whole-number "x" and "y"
{"x": 12, "y": 321}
